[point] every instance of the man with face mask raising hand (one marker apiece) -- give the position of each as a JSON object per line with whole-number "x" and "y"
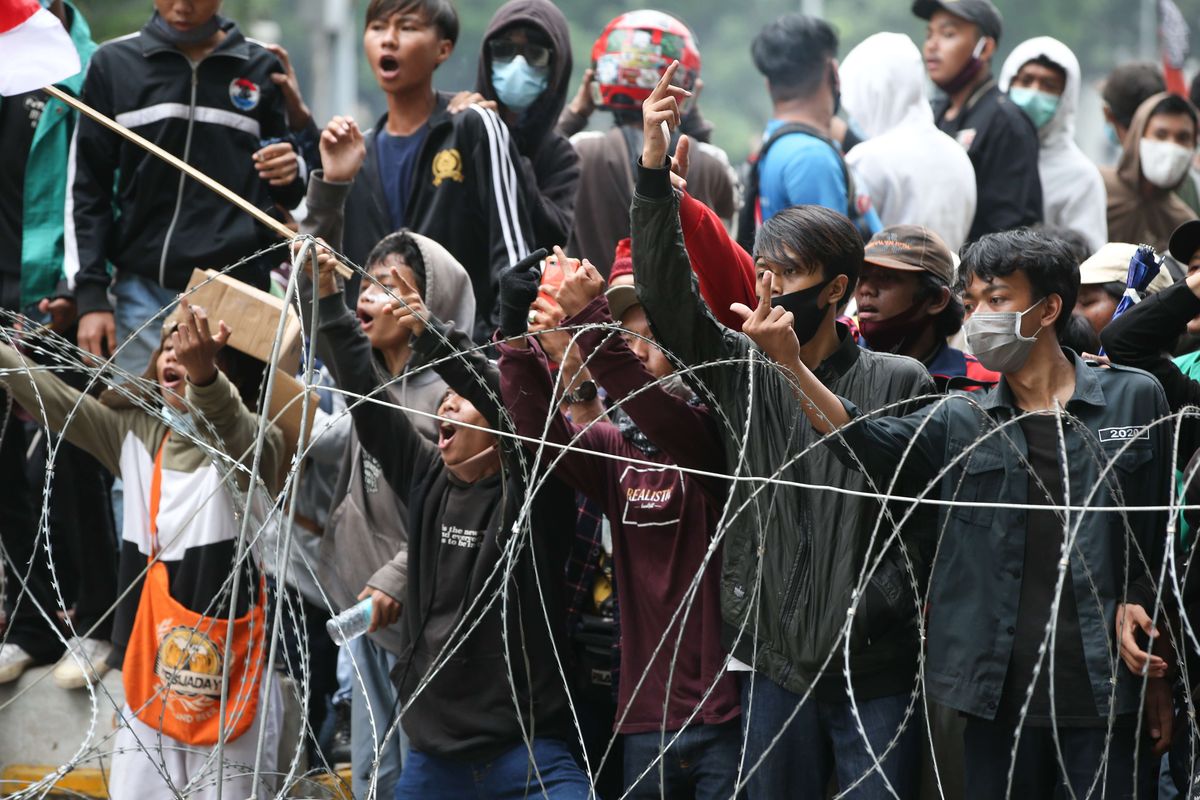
{"x": 960, "y": 41}
{"x": 1055, "y": 430}
{"x": 783, "y": 630}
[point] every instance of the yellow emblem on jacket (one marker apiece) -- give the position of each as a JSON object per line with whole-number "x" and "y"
{"x": 447, "y": 165}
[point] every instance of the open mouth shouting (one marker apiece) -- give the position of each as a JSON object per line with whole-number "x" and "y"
{"x": 446, "y": 434}
{"x": 388, "y": 67}
{"x": 172, "y": 379}
{"x": 365, "y": 318}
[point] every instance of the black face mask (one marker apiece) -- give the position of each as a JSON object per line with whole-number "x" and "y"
{"x": 197, "y": 35}
{"x": 807, "y": 314}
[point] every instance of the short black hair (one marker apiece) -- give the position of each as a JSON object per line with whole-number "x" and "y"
{"x": 1172, "y": 105}
{"x": 950, "y": 320}
{"x": 1070, "y": 237}
{"x": 1079, "y": 335}
{"x": 1114, "y": 289}
{"x": 811, "y": 238}
{"x": 439, "y": 13}
{"x": 1047, "y": 263}
{"x": 1128, "y": 86}
{"x": 792, "y": 52}
{"x": 401, "y": 244}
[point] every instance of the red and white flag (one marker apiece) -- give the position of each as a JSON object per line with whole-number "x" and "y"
{"x": 35, "y": 49}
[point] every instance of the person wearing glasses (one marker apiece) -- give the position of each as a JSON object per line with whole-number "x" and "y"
{"x": 524, "y": 74}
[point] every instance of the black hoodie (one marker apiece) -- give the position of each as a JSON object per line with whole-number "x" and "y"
{"x": 549, "y": 161}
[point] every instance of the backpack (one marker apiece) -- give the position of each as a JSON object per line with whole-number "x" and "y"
{"x": 750, "y": 215}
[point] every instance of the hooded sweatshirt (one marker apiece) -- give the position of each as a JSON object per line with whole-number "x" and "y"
{"x": 547, "y": 158}
{"x": 1072, "y": 189}
{"x": 914, "y": 173}
{"x": 366, "y": 537}
{"x": 1139, "y": 211}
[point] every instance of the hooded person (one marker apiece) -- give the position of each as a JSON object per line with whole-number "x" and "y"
{"x": 1072, "y": 189}
{"x": 364, "y": 549}
{"x": 1142, "y": 204}
{"x": 914, "y": 173}
{"x": 525, "y": 67}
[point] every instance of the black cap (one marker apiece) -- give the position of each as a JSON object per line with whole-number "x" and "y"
{"x": 981, "y": 12}
{"x": 1185, "y": 241}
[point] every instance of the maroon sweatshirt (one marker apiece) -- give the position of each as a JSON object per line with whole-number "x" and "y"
{"x": 662, "y": 521}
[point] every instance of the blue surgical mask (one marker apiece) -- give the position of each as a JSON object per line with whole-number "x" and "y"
{"x": 1038, "y": 106}
{"x": 517, "y": 84}
{"x": 1110, "y": 131}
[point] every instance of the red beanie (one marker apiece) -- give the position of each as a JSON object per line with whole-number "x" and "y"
{"x": 623, "y": 260}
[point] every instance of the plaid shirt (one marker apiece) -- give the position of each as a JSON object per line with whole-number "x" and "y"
{"x": 580, "y": 575}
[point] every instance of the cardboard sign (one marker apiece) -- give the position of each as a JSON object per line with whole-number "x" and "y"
{"x": 252, "y": 314}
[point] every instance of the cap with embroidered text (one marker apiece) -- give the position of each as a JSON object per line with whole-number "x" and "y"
{"x": 911, "y": 248}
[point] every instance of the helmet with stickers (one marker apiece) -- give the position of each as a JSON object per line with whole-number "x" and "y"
{"x": 634, "y": 51}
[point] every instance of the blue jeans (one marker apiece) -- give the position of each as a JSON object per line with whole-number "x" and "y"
{"x": 987, "y": 749}
{"x": 138, "y": 299}
{"x": 702, "y": 763}
{"x": 822, "y": 740}
{"x": 374, "y": 665}
{"x": 509, "y": 776}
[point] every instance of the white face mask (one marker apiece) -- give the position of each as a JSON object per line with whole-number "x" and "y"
{"x": 995, "y": 338}
{"x": 1163, "y": 163}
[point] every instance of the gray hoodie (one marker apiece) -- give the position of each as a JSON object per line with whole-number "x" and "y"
{"x": 366, "y": 538}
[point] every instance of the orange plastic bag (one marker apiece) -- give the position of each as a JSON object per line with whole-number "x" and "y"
{"x": 175, "y": 658}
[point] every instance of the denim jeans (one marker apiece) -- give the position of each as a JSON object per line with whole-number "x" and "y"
{"x": 374, "y": 698}
{"x": 987, "y": 748}
{"x": 509, "y": 776}
{"x": 138, "y": 299}
{"x": 701, "y": 764}
{"x": 822, "y": 740}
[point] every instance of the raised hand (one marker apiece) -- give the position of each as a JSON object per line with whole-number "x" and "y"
{"x": 464, "y": 100}
{"x": 411, "y": 313}
{"x": 342, "y": 150}
{"x": 582, "y": 103}
{"x": 770, "y": 327}
{"x": 298, "y": 114}
{"x": 518, "y": 289}
{"x": 196, "y": 346}
{"x": 660, "y": 116}
{"x": 580, "y": 284}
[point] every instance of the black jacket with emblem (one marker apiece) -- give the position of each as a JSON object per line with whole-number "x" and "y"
{"x": 128, "y": 208}
{"x": 467, "y": 195}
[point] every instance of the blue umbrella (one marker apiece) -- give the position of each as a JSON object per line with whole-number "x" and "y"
{"x": 1143, "y": 268}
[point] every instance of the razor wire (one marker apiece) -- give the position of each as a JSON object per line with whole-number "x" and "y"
{"x": 258, "y": 511}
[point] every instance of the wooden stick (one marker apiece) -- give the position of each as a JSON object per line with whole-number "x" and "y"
{"x": 220, "y": 189}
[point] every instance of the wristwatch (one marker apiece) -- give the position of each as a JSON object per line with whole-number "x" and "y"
{"x": 586, "y": 393}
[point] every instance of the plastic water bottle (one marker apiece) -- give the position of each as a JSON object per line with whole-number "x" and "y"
{"x": 351, "y": 623}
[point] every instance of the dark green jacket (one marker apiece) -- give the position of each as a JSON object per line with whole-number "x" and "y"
{"x": 974, "y": 453}
{"x": 793, "y": 557}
